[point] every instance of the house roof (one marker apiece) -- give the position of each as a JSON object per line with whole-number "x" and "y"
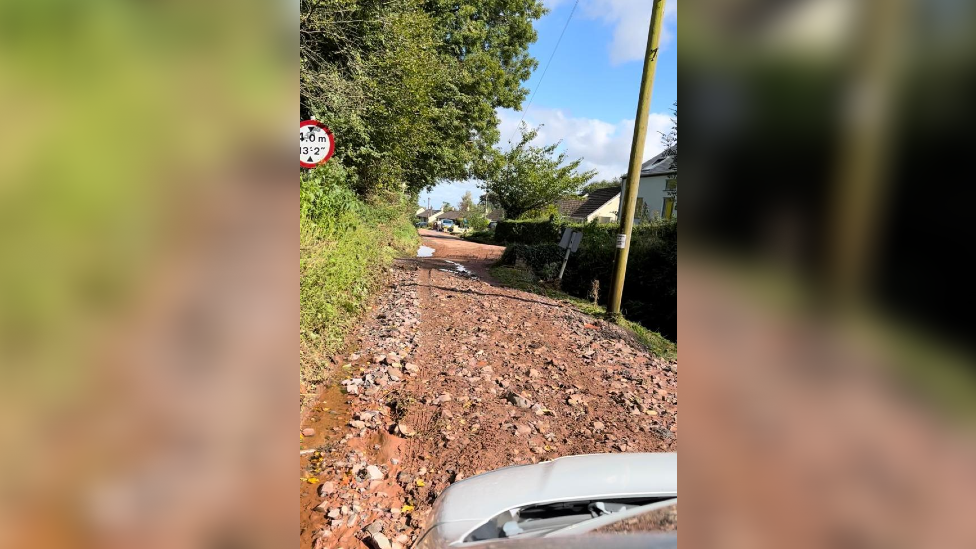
{"x": 568, "y": 206}
{"x": 453, "y": 215}
{"x": 428, "y": 213}
{"x": 662, "y": 164}
{"x": 596, "y": 200}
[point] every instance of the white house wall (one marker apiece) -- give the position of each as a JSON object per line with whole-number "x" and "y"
{"x": 609, "y": 209}
{"x": 652, "y": 190}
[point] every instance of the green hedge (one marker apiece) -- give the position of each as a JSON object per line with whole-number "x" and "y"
{"x": 650, "y": 294}
{"x": 345, "y": 244}
{"x": 532, "y": 231}
{"x": 540, "y": 257}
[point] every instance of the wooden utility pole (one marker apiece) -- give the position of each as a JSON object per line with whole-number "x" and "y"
{"x": 632, "y": 183}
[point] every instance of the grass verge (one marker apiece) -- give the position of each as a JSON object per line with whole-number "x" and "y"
{"x": 523, "y": 279}
{"x": 346, "y": 244}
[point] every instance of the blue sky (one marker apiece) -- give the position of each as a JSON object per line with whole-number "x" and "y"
{"x": 588, "y": 97}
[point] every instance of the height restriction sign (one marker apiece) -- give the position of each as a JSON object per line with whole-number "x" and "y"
{"x": 315, "y": 143}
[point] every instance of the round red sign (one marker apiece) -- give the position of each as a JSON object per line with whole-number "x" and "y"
{"x": 315, "y": 143}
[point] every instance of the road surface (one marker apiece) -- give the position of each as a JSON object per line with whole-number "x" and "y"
{"x": 450, "y": 376}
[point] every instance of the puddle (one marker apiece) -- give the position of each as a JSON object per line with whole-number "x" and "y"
{"x": 315, "y": 453}
{"x": 458, "y": 269}
{"x": 425, "y": 251}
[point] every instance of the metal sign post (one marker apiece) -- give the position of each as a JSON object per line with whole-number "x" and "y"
{"x": 571, "y": 241}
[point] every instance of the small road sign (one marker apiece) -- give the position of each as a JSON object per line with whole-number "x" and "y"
{"x": 315, "y": 143}
{"x": 570, "y": 242}
{"x": 564, "y": 241}
{"x": 575, "y": 241}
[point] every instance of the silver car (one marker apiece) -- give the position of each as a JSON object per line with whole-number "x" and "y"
{"x": 531, "y": 505}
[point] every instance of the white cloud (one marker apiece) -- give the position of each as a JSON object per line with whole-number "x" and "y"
{"x": 604, "y": 146}
{"x": 630, "y": 20}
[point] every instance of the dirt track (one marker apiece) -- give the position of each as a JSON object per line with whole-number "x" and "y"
{"x": 453, "y": 376}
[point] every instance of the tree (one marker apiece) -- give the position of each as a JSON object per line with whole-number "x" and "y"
{"x": 670, "y": 139}
{"x": 477, "y": 221}
{"x": 410, "y": 88}
{"x": 527, "y": 177}
{"x": 601, "y": 184}
{"x": 446, "y": 207}
{"x": 467, "y": 202}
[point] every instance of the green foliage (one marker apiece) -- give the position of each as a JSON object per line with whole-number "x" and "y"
{"x": 410, "y": 87}
{"x": 650, "y": 294}
{"x": 476, "y": 220}
{"x": 345, "y": 243}
{"x": 523, "y": 278}
{"x": 602, "y": 184}
{"x": 527, "y": 177}
{"x": 467, "y": 202}
{"x": 529, "y": 231}
{"x": 482, "y": 236}
{"x": 670, "y": 139}
{"x": 545, "y": 212}
{"x": 537, "y": 256}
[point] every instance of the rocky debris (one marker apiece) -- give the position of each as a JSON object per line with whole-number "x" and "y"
{"x": 379, "y": 541}
{"x": 308, "y": 432}
{"x": 374, "y": 473}
{"x": 517, "y": 400}
{"x": 520, "y": 379}
{"x": 406, "y": 430}
{"x": 326, "y": 489}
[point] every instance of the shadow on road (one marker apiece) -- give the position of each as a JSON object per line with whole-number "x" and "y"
{"x": 483, "y": 294}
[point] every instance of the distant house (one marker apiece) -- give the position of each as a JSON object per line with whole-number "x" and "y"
{"x": 657, "y": 194}
{"x": 453, "y": 215}
{"x": 420, "y": 210}
{"x": 600, "y": 205}
{"x": 568, "y": 206}
{"x": 429, "y": 215}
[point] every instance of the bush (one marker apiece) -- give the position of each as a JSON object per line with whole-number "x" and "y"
{"x": 537, "y": 256}
{"x": 345, "y": 244}
{"x": 532, "y": 231}
{"x": 481, "y": 237}
{"x": 650, "y": 294}
{"x": 477, "y": 221}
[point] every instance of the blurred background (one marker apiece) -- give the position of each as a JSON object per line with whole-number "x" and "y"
{"x": 825, "y": 302}
{"x": 148, "y": 260}
{"x": 148, "y": 298}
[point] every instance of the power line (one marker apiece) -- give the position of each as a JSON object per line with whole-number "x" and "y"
{"x": 545, "y": 69}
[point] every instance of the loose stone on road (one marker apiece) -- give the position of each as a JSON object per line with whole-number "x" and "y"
{"x": 453, "y": 376}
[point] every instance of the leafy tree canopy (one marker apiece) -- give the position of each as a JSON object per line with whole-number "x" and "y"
{"x": 467, "y": 202}
{"x": 528, "y": 177}
{"x": 602, "y": 184}
{"x": 409, "y": 88}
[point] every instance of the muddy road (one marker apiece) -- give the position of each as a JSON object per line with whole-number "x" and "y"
{"x": 451, "y": 376}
